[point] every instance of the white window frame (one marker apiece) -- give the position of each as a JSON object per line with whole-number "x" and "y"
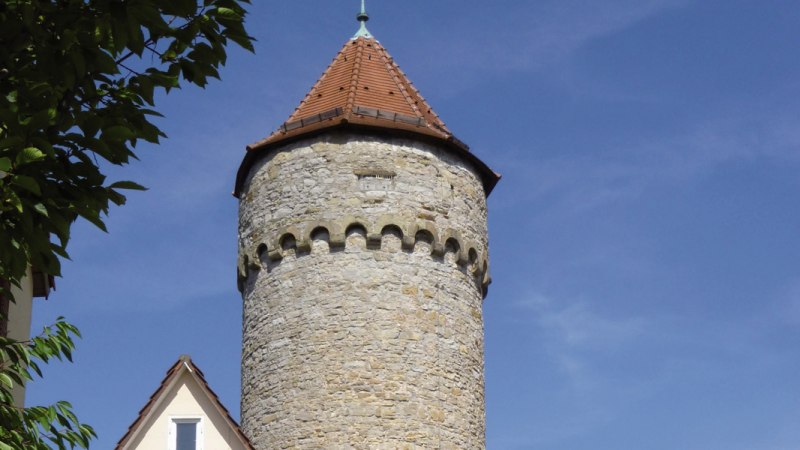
{"x": 173, "y": 431}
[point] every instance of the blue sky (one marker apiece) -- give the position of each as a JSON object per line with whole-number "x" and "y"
{"x": 644, "y": 238}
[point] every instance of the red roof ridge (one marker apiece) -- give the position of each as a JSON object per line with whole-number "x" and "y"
{"x": 393, "y": 70}
{"x": 353, "y": 88}
{"x": 429, "y": 110}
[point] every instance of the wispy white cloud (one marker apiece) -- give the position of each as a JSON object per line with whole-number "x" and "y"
{"x": 674, "y": 352}
{"x": 581, "y": 183}
{"x": 525, "y": 38}
{"x": 582, "y": 347}
{"x": 575, "y": 325}
{"x": 583, "y": 342}
{"x": 573, "y": 329}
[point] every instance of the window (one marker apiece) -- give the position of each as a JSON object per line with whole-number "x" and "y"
{"x": 186, "y": 433}
{"x": 186, "y": 436}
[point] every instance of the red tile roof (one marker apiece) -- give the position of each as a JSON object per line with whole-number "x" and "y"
{"x": 184, "y": 363}
{"x": 363, "y": 74}
{"x": 363, "y": 87}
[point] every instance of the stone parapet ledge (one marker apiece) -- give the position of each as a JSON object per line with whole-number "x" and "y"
{"x": 446, "y": 245}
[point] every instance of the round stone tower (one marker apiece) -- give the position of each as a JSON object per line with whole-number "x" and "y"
{"x": 363, "y": 263}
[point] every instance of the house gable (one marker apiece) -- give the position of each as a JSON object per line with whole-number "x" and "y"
{"x": 183, "y": 395}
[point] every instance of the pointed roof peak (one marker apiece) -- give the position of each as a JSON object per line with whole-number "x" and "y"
{"x": 362, "y": 18}
{"x": 363, "y": 88}
{"x": 363, "y": 85}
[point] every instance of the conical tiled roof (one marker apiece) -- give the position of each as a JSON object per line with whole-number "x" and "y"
{"x": 364, "y": 76}
{"x": 363, "y": 87}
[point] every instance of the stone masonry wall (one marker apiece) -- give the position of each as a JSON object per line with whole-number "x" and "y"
{"x": 363, "y": 263}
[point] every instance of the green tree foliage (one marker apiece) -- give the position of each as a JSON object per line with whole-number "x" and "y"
{"x": 38, "y": 427}
{"x": 78, "y": 80}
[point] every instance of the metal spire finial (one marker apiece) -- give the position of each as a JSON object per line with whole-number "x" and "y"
{"x": 363, "y": 17}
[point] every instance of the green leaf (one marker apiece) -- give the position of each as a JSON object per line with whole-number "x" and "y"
{"x": 60, "y": 224}
{"x": 5, "y": 164}
{"x": 5, "y": 380}
{"x": 27, "y": 183}
{"x": 189, "y": 71}
{"x": 116, "y": 198}
{"x": 105, "y": 63}
{"x": 244, "y": 41}
{"x": 95, "y": 220}
{"x": 130, "y": 185}
{"x": 29, "y": 155}
{"x": 15, "y": 201}
{"x": 117, "y": 133}
{"x": 228, "y": 13}
{"x": 40, "y": 209}
{"x": 146, "y": 88}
